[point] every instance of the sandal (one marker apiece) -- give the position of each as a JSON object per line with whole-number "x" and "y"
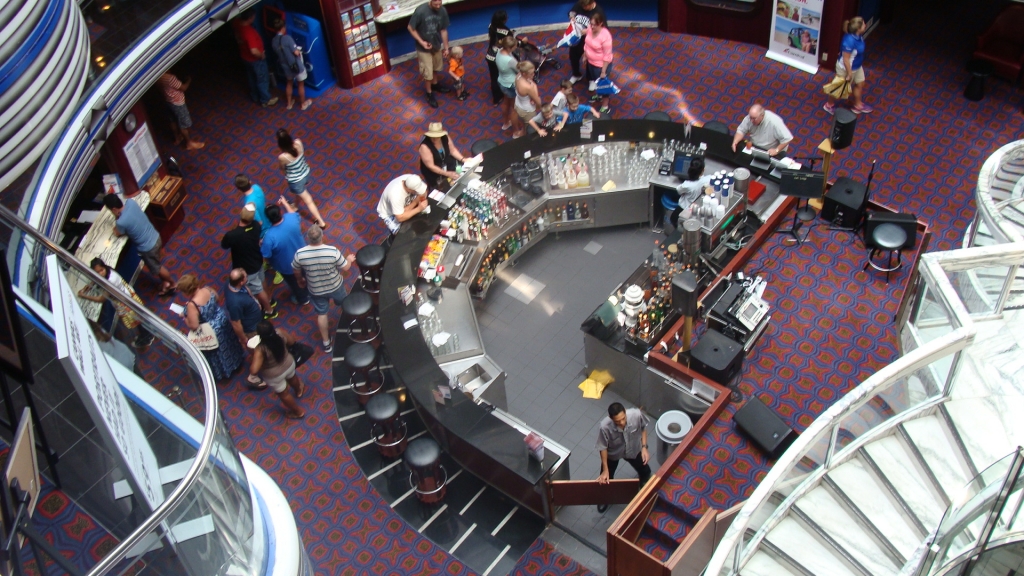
{"x": 261, "y": 386}
{"x": 302, "y": 391}
{"x": 166, "y": 292}
{"x": 307, "y": 104}
{"x": 292, "y": 416}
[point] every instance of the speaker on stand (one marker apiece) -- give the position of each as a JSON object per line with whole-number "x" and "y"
{"x": 846, "y": 203}
{"x": 841, "y": 136}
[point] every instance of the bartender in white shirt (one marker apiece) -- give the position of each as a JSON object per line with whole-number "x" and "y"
{"x": 765, "y": 130}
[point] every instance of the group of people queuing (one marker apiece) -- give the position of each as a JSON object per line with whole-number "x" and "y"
{"x": 267, "y": 241}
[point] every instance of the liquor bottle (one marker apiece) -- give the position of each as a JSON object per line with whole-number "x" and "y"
{"x": 586, "y": 212}
{"x": 579, "y": 213}
{"x": 565, "y": 215}
{"x": 572, "y": 211}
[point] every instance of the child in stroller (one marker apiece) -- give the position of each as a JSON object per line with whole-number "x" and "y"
{"x": 526, "y": 51}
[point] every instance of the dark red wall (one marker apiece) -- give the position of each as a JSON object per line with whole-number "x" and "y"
{"x": 754, "y": 27}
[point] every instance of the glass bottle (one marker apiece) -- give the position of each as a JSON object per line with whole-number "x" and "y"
{"x": 572, "y": 211}
{"x": 586, "y": 212}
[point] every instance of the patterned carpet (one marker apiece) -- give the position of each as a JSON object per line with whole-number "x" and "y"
{"x": 930, "y": 144}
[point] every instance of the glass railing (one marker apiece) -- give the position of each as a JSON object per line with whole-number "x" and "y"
{"x": 206, "y": 523}
{"x": 940, "y": 328}
{"x": 985, "y": 511}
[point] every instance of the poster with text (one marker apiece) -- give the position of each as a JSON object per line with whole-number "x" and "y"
{"x": 796, "y": 25}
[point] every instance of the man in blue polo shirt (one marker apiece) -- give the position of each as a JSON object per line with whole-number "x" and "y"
{"x": 280, "y": 244}
{"x": 133, "y": 223}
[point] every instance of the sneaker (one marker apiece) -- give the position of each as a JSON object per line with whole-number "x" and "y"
{"x": 862, "y": 109}
{"x": 602, "y": 508}
{"x": 278, "y": 278}
{"x": 270, "y": 315}
{"x": 273, "y": 304}
{"x": 463, "y": 96}
{"x": 830, "y": 108}
{"x": 575, "y": 79}
{"x": 327, "y": 347}
{"x": 506, "y": 126}
{"x": 271, "y": 102}
{"x": 295, "y": 301}
{"x": 592, "y": 86}
{"x": 604, "y": 110}
{"x": 596, "y": 97}
{"x": 440, "y": 89}
{"x": 432, "y": 100}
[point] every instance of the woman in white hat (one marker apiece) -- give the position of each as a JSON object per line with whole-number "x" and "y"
{"x": 438, "y": 158}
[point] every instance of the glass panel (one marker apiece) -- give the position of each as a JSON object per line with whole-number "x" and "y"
{"x": 933, "y": 319}
{"x": 979, "y": 288}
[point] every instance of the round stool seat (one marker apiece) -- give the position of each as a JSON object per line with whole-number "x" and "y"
{"x": 360, "y": 356}
{"x": 481, "y": 146}
{"x": 889, "y": 236}
{"x": 370, "y": 256}
{"x": 659, "y": 116}
{"x": 381, "y": 407}
{"x": 422, "y": 453}
{"x": 357, "y": 304}
{"x": 716, "y": 126}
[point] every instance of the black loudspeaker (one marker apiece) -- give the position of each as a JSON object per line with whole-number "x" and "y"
{"x": 908, "y": 222}
{"x": 717, "y": 356}
{"x": 684, "y": 293}
{"x": 764, "y": 427}
{"x": 845, "y": 202}
{"x": 842, "y": 128}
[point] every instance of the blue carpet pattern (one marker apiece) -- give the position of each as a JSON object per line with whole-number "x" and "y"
{"x": 930, "y": 144}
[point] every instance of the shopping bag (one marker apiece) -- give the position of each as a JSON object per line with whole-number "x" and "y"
{"x": 570, "y": 38}
{"x": 606, "y": 87}
{"x": 838, "y": 88}
{"x": 204, "y": 338}
{"x": 301, "y": 352}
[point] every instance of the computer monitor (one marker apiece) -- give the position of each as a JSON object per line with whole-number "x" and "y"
{"x": 801, "y": 184}
{"x": 681, "y": 165}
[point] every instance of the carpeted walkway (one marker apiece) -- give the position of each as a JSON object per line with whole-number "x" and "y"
{"x": 930, "y": 144}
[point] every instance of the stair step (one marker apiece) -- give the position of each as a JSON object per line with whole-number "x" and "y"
{"x": 875, "y": 502}
{"x": 790, "y": 537}
{"x": 934, "y": 443}
{"x": 896, "y": 464}
{"x": 669, "y": 520}
{"x": 983, "y": 429}
{"x": 653, "y": 543}
{"x": 761, "y": 564}
{"x": 832, "y": 518}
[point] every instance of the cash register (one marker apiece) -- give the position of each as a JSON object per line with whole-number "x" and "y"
{"x": 735, "y": 308}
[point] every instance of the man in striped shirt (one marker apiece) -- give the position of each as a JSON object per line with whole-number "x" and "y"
{"x": 318, "y": 268}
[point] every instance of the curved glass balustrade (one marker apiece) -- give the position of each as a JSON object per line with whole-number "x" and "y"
{"x": 208, "y": 523}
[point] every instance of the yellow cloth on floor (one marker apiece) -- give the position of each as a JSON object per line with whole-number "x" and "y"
{"x": 595, "y": 384}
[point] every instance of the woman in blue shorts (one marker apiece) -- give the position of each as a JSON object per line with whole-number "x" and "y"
{"x": 292, "y": 161}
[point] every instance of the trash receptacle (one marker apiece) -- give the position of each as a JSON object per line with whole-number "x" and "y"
{"x": 671, "y": 428}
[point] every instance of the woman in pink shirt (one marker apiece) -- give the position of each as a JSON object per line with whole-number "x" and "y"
{"x": 598, "y": 50}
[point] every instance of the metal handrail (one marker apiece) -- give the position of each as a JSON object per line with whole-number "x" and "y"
{"x": 988, "y": 209}
{"x": 934, "y": 267}
{"x": 165, "y": 332}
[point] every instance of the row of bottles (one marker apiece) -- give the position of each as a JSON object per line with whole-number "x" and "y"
{"x": 467, "y": 223}
{"x": 569, "y": 212}
{"x": 657, "y": 297}
{"x": 487, "y": 203}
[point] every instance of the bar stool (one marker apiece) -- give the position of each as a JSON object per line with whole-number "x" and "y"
{"x": 387, "y": 427}
{"x": 889, "y": 238}
{"x": 716, "y": 126}
{"x": 362, "y": 323}
{"x": 481, "y": 146}
{"x": 367, "y": 379}
{"x": 426, "y": 474}
{"x": 659, "y": 116}
{"x": 370, "y": 260}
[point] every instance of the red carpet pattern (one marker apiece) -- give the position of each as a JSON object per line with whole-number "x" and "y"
{"x": 930, "y": 144}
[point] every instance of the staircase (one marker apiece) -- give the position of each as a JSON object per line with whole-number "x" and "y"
{"x": 868, "y": 515}
{"x": 665, "y": 529}
{"x": 990, "y": 283}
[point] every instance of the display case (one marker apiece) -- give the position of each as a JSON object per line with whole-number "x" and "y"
{"x": 359, "y": 50}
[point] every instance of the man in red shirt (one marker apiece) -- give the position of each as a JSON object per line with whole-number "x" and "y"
{"x": 250, "y": 47}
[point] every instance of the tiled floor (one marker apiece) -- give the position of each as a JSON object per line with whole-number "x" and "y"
{"x": 477, "y": 524}
{"x": 539, "y": 344}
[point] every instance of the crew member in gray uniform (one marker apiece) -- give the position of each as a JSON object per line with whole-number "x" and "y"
{"x": 623, "y": 436}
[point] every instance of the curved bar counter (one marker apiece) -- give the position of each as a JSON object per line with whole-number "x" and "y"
{"x": 473, "y": 427}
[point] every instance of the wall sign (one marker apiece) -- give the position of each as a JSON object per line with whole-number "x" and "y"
{"x": 796, "y": 26}
{"x": 87, "y": 367}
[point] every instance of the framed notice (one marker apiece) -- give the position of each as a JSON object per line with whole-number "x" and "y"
{"x": 796, "y": 27}
{"x": 142, "y": 154}
{"x": 13, "y": 353}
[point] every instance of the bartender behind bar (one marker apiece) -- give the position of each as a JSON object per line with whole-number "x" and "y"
{"x": 689, "y": 191}
{"x": 765, "y": 130}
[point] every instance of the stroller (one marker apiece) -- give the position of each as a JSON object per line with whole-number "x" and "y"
{"x": 538, "y": 56}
